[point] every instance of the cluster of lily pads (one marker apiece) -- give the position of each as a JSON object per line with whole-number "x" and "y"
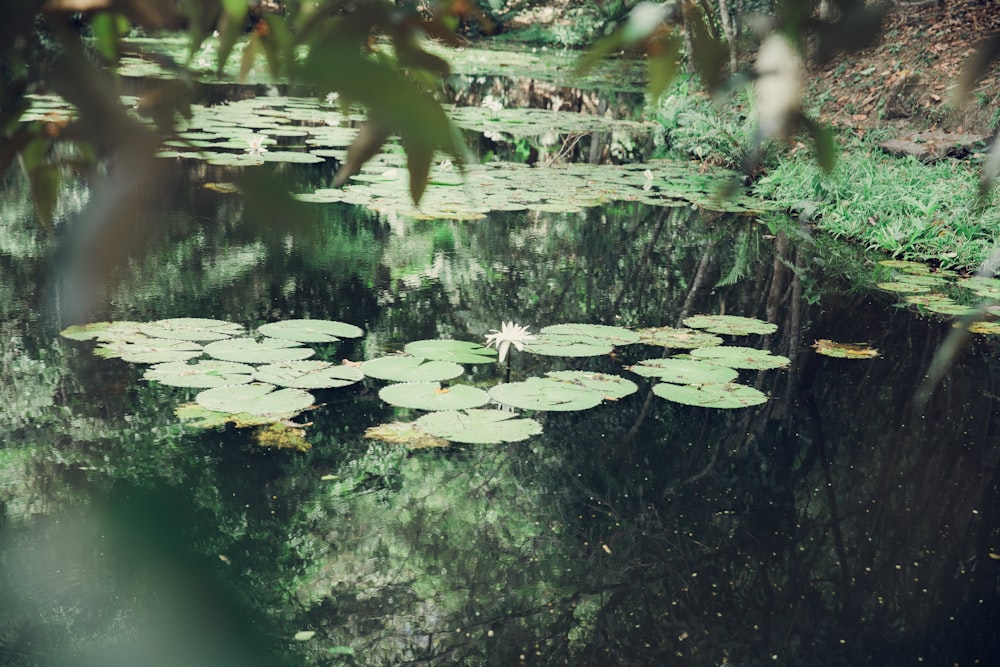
{"x": 302, "y": 130}
{"x": 265, "y": 379}
{"x": 943, "y": 292}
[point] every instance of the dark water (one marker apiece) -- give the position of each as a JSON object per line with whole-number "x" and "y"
{"x": 834, "y": 525}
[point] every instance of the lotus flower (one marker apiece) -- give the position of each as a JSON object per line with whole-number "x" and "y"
{"x": 256, "y": 146}
{"x": 509, "y": 334}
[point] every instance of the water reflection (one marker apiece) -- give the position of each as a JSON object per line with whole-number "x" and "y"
{"x": 830, "y": 526}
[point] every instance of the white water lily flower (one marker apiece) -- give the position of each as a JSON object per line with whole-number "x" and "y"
{"x": 493, "y": 104}
{"x": 509, "y": 334}
{"x": 257, "y": 148}
{"x": 332, "y": 97}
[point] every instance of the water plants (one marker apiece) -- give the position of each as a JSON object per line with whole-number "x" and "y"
{"x": 264, "y": 378}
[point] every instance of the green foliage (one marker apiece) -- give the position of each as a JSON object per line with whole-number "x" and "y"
{"x": 898, "y": 206}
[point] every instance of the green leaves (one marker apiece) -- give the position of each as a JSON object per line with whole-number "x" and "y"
{"x": 399, "y": 368}
{"x": 432, "y": 396}
{"x": 458, "y": 351}
{"x": 729, "y": 395}
{"x": 309, "y": 374}
{"x": 258, "y": 399}
{"x": 251, "y": 351}
{"x": 547, "y": 394}
{"x": 202, "y": 374}
{"x": 310, "y": 331}
{"x": 733, "y": 325}
{"x": 478, "y": 426}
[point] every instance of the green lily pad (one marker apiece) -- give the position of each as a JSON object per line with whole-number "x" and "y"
{"x": 201, "y": 417}
{"x": 613, "y": 335}
{"x": 740, "y": 357}
{"x": 953, "y": 309}
{"x": 685, "y": 371}
{"x": 309, "y": 374}
{"x": 479, "y": 427}
{"x": 680, "y": 339}
{"x": 984, "y": 327}
{"x": 903, "y": 288}
{"x": 569, "y": 345}
{"x": 201, "y": 374}
{"x": 925, "y": 279}
{"x": 399, "y": 368}
{"x": 249, "y": 351}
{"x": 257, "y": 398}
{"x": 728, "y": 395}
{"x": 150, "y": 351}
{"x": 458, "y": 351}
{"x": 905, "y": 265}
{"x": 928, "y": 299}
{"x": 733, "y": 325}
{"x": 432, "y": 396}
{"x": 611, "y": 387}
{"x": 310, "y": 331}
{"x": 123, "y": 331}
{"x": 546, "y": 394}
{"x": 405, "y": 433}
{"x": 829, "y": 348}
{"x": 192, "y": 328}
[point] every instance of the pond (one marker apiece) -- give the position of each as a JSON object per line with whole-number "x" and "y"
{"x": 839, "y": 522}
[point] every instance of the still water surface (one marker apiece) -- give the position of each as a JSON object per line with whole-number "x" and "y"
{"x": 834, "y": 525}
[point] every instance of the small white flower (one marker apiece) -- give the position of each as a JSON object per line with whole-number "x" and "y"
{"x": 509, "y": 334}
{"x": 648, "y": 174}
{"x": 257, "y": 148}
{"x": 493, "y": 104}
{"x": 445, "y": 165}
{"x": 332, "y": 97}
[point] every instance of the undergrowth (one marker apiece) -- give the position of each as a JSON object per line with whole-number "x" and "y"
{"x": 899, "y": 206}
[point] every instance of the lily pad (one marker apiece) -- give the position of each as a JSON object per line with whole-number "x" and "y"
{"x": 677, "y": 338}
{"x": 192, "y": 328}
{"x": 309, "y": 374}
{"x": 953, "y": 309}
{"x": 432, "y": 396}
{"x": 201, "y": 374}
{"x": 150, "y": 351}
{"x": 728, "y": 395}
{"x": 250, "y": 351}
{"x": 612, "y": 387}
{"x": 613, "y": 335}
{"x": 458, "y": 351}
{"x": 685, "y": 371}
{"x": 733, "y": 325}
{"x": 569, "y": 345}
{"x": 479, "y": 426}
{"x": 310, "y": 331}
{"x": 905, "y": 265}
{"x": 829, "y": 348}
{"x": 740, "y": 357}
{"x": 405, "y": 433}
{"x": 257, "y": 398}
{"x": 399, "y": 368}
{"x": 925, "y": 279}
{"x": 546, "y": 394}
{"x": 199, "y": 416}
{"x": 903, "y": 288}
{"x": 122, "y": 330}
{"x": 984, "y": 327}
{"x": 927, "y": 299}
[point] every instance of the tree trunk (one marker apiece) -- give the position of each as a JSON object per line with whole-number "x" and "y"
{"x": 730, "y": 32}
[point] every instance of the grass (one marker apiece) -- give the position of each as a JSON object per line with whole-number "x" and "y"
{"x": 898, "y": 206}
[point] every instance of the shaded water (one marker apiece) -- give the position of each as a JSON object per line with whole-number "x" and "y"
{"x": 832, "y": 525}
